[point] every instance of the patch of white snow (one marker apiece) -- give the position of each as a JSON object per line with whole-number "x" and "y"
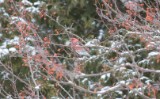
{"x": 151, "y": 54}
{"x": 1, "y": 1}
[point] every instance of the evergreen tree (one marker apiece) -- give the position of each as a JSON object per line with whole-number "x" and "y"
{"x": 79, "y": 49}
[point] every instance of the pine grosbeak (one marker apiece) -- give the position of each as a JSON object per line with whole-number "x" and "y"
{"x": 78, "y": 47}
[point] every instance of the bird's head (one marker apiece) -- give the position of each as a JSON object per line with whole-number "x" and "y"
{"x": 74, "y": 40}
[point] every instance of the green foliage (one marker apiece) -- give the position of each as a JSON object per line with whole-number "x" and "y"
{"x": 18, "y": 69}
{"x": 93, "y": 66}
{"x": 48, "y": 90}
{"x": 83, "y": 20}
{"x": 80, "y": 13}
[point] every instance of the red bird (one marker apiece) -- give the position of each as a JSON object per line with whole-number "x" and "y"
{"x": 78, "y": 47}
